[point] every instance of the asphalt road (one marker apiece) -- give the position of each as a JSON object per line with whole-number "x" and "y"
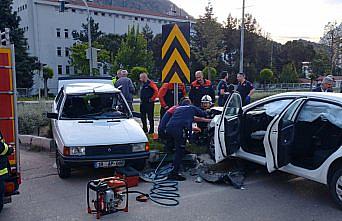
{"x": 44, "y": 196}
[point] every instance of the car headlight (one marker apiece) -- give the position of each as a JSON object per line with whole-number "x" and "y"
{"x": 138, "y": 147}
{"x": 77, "y": 151}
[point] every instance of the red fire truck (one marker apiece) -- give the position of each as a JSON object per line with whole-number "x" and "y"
{"x": 8, "y": 117}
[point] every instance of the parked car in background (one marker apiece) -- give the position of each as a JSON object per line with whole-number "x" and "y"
{"x": 299, "y": 133}
{"x": 93, "y": 126}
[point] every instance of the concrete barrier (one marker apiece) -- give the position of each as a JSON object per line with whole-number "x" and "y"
{"x": 43, "y": 143}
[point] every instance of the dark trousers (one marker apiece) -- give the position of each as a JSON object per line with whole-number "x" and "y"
{"x": 2, "y": 190}
{"x": 162, "y": 112}
{"x": 179, "y": 139}
{"x": 147, "y": 110}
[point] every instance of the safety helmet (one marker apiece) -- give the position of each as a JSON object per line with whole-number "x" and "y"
{"x": 206, "y": 102}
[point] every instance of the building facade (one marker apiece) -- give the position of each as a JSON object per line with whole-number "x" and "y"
{"x": 49, "y": 31}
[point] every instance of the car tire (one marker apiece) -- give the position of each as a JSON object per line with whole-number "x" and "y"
{"x": 1, "y": 205}
{"x": 335, "y": 187}
{"x": 211, "y": 147}
{"x": 139, "y": 164}
{"x": 62, "y": 170}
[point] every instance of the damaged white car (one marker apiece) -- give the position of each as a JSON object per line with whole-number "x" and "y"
{"x": 93, "y": 126}
{"x": 299, "y": 133}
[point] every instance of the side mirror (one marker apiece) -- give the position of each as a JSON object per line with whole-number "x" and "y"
{"x": 136, "y": 114}
{"x": 52, "y": 116}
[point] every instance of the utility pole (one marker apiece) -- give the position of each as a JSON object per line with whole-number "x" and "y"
{"x": 271, "y": 55}
{"x": 242, "y": 36}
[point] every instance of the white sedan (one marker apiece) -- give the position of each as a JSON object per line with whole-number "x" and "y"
{"x": 92, "y": 125}
{"x": 299, "y": 133}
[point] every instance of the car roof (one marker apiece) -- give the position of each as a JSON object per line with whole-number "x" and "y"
{"x": 321, "y": 95}
{"x": 86, "y": 87}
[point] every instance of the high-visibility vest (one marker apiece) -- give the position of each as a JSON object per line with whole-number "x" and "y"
{"x": 4, "y": 148}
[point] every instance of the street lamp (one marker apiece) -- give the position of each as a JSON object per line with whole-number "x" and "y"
{"x": 242, "y": 36}
{"x": 90, "y": 51}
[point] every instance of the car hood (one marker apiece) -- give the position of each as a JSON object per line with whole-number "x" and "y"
{"x": 100, "y": 132}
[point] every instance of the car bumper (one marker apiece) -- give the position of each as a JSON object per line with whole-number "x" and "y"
{"x": 90, "y": 160}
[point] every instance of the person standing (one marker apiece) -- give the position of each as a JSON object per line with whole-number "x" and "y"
{"x": 178, "y": 129}
{"x": 199, "y": 88}
{"x": 126, "y": 86}
{"x": 5, "y": 151}
{"x": 166, "y": 96}
{"x": 245, "y": 88}
{"x": 148, "y": 95}
{"x": 325, "y": 86}
{"x": 116, "y": 77}
{"x": 222, "y": 89}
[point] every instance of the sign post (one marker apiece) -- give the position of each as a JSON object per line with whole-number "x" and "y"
{"x": 176, "y": 55}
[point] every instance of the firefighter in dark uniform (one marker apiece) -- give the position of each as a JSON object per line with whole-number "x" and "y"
{"x": 245, "y": 89}
{"x": 179, "y": 129}
{"x": 5, "y": 151}
{"x": 166, "y": 96}
{"x": 222, "y": 88}
{"x": 148, "y": 95}
{"x": 199, "y": 88}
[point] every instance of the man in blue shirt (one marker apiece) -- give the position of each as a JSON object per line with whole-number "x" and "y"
{"x": 178, "y": 128}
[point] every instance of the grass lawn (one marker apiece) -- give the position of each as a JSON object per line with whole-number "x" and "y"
{"x": 156, "y": 109}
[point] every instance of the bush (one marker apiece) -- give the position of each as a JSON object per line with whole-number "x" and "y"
{"x": 213, "y": 73}
{"x": 136, "y": 71}
{"x": 266, "y": 75}
{"x": 31, "y": 117}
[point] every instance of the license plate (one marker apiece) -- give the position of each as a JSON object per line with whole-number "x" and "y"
{"x": 108, "y": 164}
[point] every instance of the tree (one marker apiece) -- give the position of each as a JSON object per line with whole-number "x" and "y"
{"x": 210, "y": 71}
{"x": 156, "y": 47}
{"x": 288, "y": 74}
{"x": 312, "y": 77}
{"x": 321, "y": 64}
{"x": 135, "y": 73}
{"x": 133, "y": 52}
{"x": 79, "y": 59}
{"x": 25, "y": 64}
{"x": 47, "y": 74}
{"x": 332, "y": 38}
{"x": 266, "y": 75}
{"x": 111, "y": 43}
{"x": 207, "y": 40}
{"x": 148, "y": 35}
{"x": 83, "y": 34}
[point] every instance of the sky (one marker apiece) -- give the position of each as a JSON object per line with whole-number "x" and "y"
{"x": 285, "y": 20}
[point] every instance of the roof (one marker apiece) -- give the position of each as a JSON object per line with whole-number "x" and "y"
{"x": 122, "y": 9}
{"x": 322, "y": 95}
{"x": 86, "y": 87}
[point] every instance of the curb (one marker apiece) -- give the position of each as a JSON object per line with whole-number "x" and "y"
{"x": 43, "y": 143}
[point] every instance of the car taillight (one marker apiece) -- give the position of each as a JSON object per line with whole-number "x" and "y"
{"x": 9, "y": 187}
{"x": 147, "y": 147}
{"x": 66, "y": 151}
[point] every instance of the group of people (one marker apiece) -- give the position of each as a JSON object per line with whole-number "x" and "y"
{"x": 176, "y": 122}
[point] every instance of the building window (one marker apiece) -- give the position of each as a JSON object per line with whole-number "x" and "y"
{"x": 96, "y": 13}
{"x": 160, "y": 21}
{"x": 25, "y": 6}
{"x": 60, "y": 70}
{"x": 123, "y": 17}
{"x": 59, "y": 51}
{"x": 117, "y": 15}
{"x": 67, "y": 52}
{"x": 66, "y": 33}
{"x": 67, "y": 69}
{"x": 148, "y": 20}
{"x": 142, "y": 19}
{"x": 103, "y": 14}
{"x": 136, "y": 18}
{"x": 58, "y": 31}
{"x": 73, "y": 10}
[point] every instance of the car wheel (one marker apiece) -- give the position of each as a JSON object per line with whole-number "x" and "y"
{"x": 139, "y": 164}
{"x": 211, "y": 147}
{"x": 63, "y": 170}
{"x": 335, "y": 187}
{"x": 1, "y": 205}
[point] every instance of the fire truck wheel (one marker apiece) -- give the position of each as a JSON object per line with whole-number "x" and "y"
{"x": 63, "y": 170}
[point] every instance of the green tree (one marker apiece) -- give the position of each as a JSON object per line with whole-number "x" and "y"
{"x": 210, "y": 71}
{"x": 312, "y": 77}
{"x": 83, "y": 34}
{"x": 133, "y": 52}
{"x": 47, "y": 74}
{"x": 135, "y": 73}
{"x": 207, "y": 40}
{"x": 25, "y": 64}
{"x": 321, "y": 63}
{"x": 156, "y": 50}
{"x": 79, "y": 59}
{"x": 148, "y": 35}
{"x": 111, "y": 43}
{"x": 266, "y": 75}
{"x": 289, "y": 74}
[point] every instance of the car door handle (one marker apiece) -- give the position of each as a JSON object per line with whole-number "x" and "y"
{"x": 274, "y": 131}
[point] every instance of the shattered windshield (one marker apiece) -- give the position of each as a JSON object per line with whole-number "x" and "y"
{"x": 95, "y": 106}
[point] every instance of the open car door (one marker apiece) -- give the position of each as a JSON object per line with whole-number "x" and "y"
{"x": 227, "y": 130}
{"x": 279, "y": 139}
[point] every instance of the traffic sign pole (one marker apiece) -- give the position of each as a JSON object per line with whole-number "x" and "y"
{"x": 175, "y": 94}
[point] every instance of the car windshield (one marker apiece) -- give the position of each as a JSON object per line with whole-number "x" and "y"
{"x": 95, "y": 106}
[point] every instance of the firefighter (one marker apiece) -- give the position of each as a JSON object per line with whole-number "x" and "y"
{"x": 179, "y": 129}
{"x": 245, "y": 88}
{"x": 166, "y": 96}
{"x": 116, "y": 78}
{"x": 148, "y": 95}
{"x": 5, "y": 151}
{"x": 199, "y": 88}
{"x": 222, "y": 89}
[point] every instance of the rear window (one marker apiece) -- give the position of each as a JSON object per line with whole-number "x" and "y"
{"x": 95, "y": 106}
